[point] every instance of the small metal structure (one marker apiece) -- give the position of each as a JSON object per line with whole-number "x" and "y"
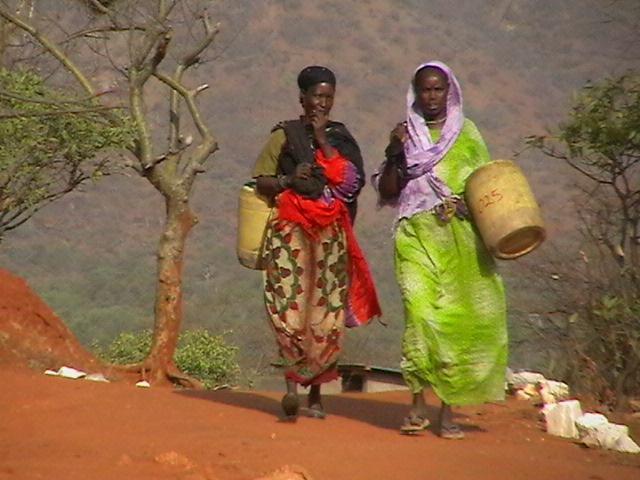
{"x": 357, "y": 377}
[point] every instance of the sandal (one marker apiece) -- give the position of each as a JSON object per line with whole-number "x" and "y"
{"x": 290, "y": 405}
{"x": 452, "y": 432}
{"x": 315, "y": 411}
{"x": 414, "y": 423}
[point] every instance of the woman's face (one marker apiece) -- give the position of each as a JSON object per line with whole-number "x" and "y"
{"x": 431, "y": 89}
{"x": 318, "y": 99}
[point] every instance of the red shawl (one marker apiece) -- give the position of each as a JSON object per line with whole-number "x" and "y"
{"x": 314, "y": 215}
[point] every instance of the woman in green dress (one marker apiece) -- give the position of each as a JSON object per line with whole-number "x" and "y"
{"x": 455, "y": 337}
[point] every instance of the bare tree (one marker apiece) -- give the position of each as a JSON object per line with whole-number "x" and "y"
{"x": 155, "y": 59}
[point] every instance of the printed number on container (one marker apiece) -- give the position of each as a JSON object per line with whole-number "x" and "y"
{"x": 489, "y": 199}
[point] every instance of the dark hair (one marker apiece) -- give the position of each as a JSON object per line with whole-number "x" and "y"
{"x": 314, "y": 74}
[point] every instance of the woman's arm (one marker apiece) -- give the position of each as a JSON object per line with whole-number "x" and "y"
{"x": 390, "y": 179}
{"x": 268, "y": 183}
{"x": 269, "y": 186}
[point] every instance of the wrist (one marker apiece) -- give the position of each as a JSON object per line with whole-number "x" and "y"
{"x": 395, "y": 148}
{"x": 284, "y": 181}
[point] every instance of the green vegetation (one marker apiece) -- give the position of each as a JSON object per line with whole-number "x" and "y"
{"x": 600, "y": 293}
{"x": 49, "y": 142}
{"x": 209, "y": 358}
{"x": 127, "y": 347}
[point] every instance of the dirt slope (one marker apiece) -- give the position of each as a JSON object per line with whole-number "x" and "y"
{"x": 31, "y": 333}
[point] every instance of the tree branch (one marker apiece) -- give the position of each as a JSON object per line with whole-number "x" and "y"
{"x": 100, "y": 7}
{"x": 142, "y": 68}
{"x": 81, "y": 101}
{"x": 189, "y": 59}
{"x": 143, "y": 137}
{"x": 51, "y": 47}
{"x": 193, "y": 57}
{"x": 110, "y": 29}
{"x": 154, "y": 31}
{"x": 4, "y": 116}
{"x": 208, "y": 144}
{"x": 584, "y": 172}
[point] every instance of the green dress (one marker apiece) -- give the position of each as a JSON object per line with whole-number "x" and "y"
{"x": 455, "y": 335}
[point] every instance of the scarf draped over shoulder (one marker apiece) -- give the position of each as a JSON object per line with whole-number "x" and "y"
{"x": 424, "y": 190}
{"x": 343, "y": 175}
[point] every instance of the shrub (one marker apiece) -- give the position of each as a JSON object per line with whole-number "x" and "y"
{"x": 127, "y": 347}
{"x": 209, "y": 358}
{"x": 601, "y": 294}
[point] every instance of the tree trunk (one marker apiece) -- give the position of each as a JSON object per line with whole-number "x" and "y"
{"x": 168, "y": 304}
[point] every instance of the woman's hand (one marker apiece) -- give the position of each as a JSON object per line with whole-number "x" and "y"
{"x": 302, "y": 171}
{"x": 390, "y": 181}
{"x": 395, "y": 148}
{"x": 399, "y": 134}
{"x": 319, "y": 120}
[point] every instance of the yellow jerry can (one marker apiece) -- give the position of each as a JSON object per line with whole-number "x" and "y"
{"x": 254, "y": 212}
{"x": 504, "y": 209}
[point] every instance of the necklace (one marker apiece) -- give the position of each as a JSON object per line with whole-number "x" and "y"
{"x": 435, "y": 122}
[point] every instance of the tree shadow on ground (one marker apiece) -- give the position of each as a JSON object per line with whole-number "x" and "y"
{"x": 376, "y": 412}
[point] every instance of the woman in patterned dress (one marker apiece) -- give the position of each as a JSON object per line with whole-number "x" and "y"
{"x": 316, "y": 280}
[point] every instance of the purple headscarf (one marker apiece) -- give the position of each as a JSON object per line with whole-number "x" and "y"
{"x": 424, "y": 190}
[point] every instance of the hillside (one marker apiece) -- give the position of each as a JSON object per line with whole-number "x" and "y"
{"x": 91, "y": 256}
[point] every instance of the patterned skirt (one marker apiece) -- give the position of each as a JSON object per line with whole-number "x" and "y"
{"x": 305, "y": 291}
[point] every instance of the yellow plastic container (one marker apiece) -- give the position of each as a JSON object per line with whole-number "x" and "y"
{"x": 253, "y": 214}
{"x": 504, "y": 209}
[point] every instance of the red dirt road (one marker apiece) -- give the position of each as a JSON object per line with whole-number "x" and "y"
{"x": 55, "y": 428}
{"x": 59, "y": 429}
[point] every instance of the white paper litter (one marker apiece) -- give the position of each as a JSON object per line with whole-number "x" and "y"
{"x": 96, "y": 377}
{"x": 66, "y": 372}
{"x": 143, "y": 384}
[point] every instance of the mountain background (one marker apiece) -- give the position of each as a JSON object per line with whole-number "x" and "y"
{"x": 91, "y": 256}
